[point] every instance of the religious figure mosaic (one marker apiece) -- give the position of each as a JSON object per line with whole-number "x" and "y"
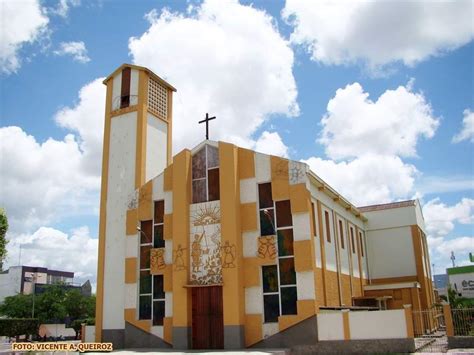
{"x": 157, "y": 260}
{"x": 266, "y": 247}
{"x": 205, "y": 244}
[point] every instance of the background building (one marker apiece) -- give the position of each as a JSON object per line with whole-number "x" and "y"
{"x": 25, "y": 279}
{"x": 224, "y": 247}
{"x": 461, "y": 279}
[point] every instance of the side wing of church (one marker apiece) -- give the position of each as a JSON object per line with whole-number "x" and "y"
{"x": 224, "y": 247}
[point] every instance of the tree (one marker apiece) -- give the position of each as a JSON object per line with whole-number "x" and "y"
{"x": 18, "y": 306}
{"x": 3, "y": 239}
{"x": 50, "y": 305}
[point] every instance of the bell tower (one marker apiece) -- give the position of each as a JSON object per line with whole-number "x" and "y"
{"x": 137, "y": 147}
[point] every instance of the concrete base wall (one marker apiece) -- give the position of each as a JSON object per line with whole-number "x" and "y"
{"x": 303, "y": 333}
{"x": 114, "y": 336}
{"x": 357, "y": 347}
{"x": 182, "y": 338}
{"x": 234, "y": 337}
{"x": 137, "y": 338}
{"x": 460, "y": 342}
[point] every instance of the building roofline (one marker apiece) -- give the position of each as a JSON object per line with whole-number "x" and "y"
{"x": 388, "y": 206}
{"x": 133, "y": 66}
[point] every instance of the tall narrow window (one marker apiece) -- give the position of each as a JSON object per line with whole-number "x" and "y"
{"x": 205, "y": 166}
{"x": 151, "y": 301}
{"x": 158, "y": 240}
{"x": 313, "y": 219}
{"x": 352, "y": 241}
{"x": 158, "y": 300}
{"x": 328, "y": 228}
{"x": 279, "y": 281}
{"x": 145, "y": 289}
{"x": 266, "y": 209}
{"x": 361, "y": 241}
{"x": 341, "y": 234}
{"x": 125, "y": 90}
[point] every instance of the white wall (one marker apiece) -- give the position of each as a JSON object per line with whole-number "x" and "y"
{"x": 363, "y": 325}
{"x": 121, "y": 184}
{"x": 89, "y": 334}
{"x": 262, "y": 168}
{"x": 330, "y": 326}
{"x": 378, "y": 325}
{"x": 10, "y": 283}
{"x": 156, "y": 146}
{"x": 390, "y": 253}
{"x": 391, "y": 218}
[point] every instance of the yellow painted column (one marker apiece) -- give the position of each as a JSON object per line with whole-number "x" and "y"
{"x": 233, "y": 290}
{"x": 181, "y": 296}
{"x": 346, "y": 324}
{"x": 409, "y": 320}
{"x": 142, "y": 110}
{"x": 448, "y": 320}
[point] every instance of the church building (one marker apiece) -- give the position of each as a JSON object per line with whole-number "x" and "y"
{"x": 221, "y": 247}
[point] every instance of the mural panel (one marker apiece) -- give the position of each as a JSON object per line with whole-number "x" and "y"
{"x": 205, "y": 244}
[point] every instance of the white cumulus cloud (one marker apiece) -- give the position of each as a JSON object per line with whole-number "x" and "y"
{"x": 369, "y": 179}
{"x": 77, "y": 50}
{"x": 467, "y": 132}
{"x": 379, "y": 32}
{"x": 440, "y": 218}
{"x": 224, "y": 58}
{"x": 86, "y": 119}
{"x": 54, "y": 249}
{"x": 22, "y": 22}
{"x": 354, "y": 125}
{"x": 45, "y": 181}
{"x": 271, "y": 143}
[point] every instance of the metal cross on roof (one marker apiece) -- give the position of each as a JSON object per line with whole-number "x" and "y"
{"x": 207, "y": 119}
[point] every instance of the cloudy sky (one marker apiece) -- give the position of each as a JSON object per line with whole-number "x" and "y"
{"x": 377, "y": 97}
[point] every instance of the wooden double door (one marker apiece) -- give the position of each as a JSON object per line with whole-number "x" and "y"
{"x": 207, "y": 318}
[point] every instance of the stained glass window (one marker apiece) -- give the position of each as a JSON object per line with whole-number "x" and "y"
{"x": 199, "y": 191}
{"x": 159, "y": 211}
{"x": 145, "y": 282}
{"x": 212, "y": 157}
{"x": 205, "y": 174}
{"x": 213, "y": 184}
{"x": 287, "y": 271}
{"x": 158, "y": 241}
{"x": 146, "y": 235}
{"x": 145, "y": 256}
{"x": 158, "y": 292}
{"x": 144, "y": 307}
{"x": 288, "y": 300}
{"x": 283, "y": 211}
{"x": 279, "y": 281}
{"x": 270, "y": 278}
{"x": 313, "y": 219}
{"x": 266, "y": 222}
{"x": 285, "y": 242}
{"x": 158, "y": 312}
{"x": 199, "y": 164}
{"x": 271, "y": 305}
{"x": 265, "y": 195}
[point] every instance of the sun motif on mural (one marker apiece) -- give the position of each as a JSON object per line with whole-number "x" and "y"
{"x": 206, "y": 214}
